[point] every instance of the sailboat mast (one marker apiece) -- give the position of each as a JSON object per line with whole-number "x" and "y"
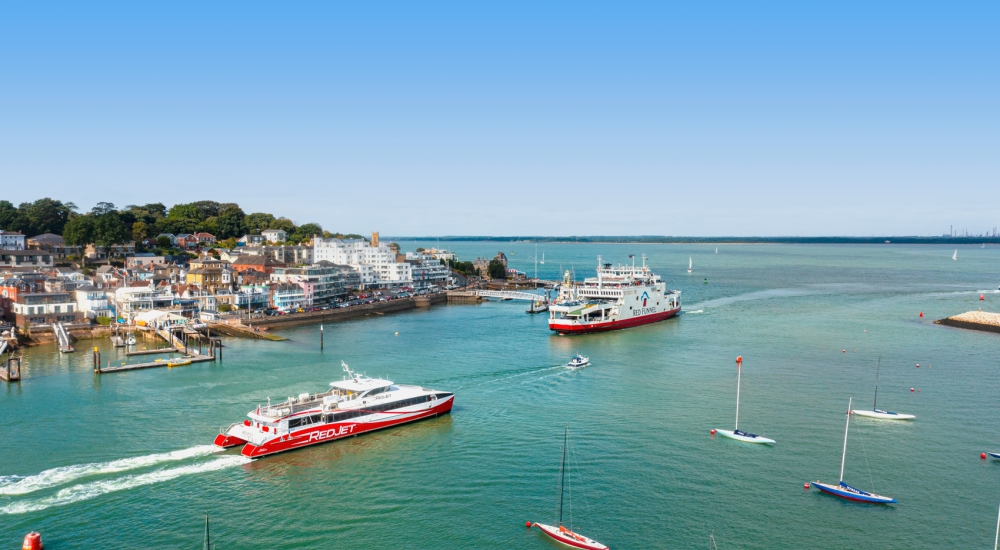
{"x": 739, "y": 371}
{"x": 562, "y": 475}
{"x": 875, "y": 404}
{"x": 996, "y": 539}
{"x": 843, "y": 455}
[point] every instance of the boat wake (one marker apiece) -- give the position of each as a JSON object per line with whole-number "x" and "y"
{"x": 760, "y": 295}
{"x": 693, "y": 312}
{"x": 17, "y": 485}
{"x": 93, "y": 489}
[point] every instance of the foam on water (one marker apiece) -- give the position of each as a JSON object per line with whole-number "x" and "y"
{"x": 17, "y": 485}
{"x": 87, "y": 491}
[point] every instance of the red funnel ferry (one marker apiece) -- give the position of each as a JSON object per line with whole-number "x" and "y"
{"x": 619, "y": 297}
{"x": 353, "y": 406}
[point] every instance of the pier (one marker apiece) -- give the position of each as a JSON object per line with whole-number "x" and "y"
{"x": 179, "y": 344}
{"x": 973, "y": 320}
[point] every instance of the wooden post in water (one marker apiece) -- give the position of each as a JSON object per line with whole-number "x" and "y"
{"x": 97, "y": 360}
{"x": 321, "y": 336}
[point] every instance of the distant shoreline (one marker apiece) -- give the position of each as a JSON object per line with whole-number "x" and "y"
{"x": 642, "y": 239}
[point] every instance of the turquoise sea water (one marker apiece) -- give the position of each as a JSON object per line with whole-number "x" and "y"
{"x": 120, "y": 460}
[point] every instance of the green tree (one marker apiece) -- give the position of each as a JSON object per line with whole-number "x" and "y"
{"x": 163, "y": 242}
{"x": 46, "y": 216}
{"x": 496, "y": 270}
{"x": 284, "y": 224}
{"x": 79, "y": 231}
{"x": 103, "y": 208}
{"x": 228, "y": 243}
{"x": 139, "y": 229}
{"x": 230, "y": 221}
{"x": 11, "y": 218}
{"x": 210, "y": 225}
{"x": 257, "y": 222}
{"x": 109, "y": 229}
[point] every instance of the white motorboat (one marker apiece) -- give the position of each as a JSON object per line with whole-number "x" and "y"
{"x": 578, "y": 361}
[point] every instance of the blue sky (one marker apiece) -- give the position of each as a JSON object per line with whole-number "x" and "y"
{"x": 472, "y": 118}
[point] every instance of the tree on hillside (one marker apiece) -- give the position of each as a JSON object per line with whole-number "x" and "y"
{"x": 45, "y": 216}
{"x": 284, "y": 224}
{"x": 79, "y": 231}
{"x": 230, "y": 221}
{"x": 257, "y": 222}
{"x": 496, "y": 270}
{"x": 305, "y": 232}
{"x": 103, "y": 208}
{"x": 10, "y": 217}
{"x": 139, "y": 229}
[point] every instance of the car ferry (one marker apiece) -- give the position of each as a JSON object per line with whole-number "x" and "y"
{"x": 353, "y": 406}
{"x": 619, "y": 297}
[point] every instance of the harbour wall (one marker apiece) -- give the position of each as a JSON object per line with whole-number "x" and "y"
{"x": 353, "y": 312}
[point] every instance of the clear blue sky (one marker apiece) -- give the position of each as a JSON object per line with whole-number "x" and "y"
{"x": 467, "y": 118}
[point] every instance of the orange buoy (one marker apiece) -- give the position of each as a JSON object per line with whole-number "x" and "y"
{"x": 921, "y": 313}
{"x": 806, "y": 485}
{"x": 527, "y": 524}
{"x": 982, "y": 456}
{"x": 32, "y": 541}
{"x": 712, "y": 432}
{"x": 739, "y": 358}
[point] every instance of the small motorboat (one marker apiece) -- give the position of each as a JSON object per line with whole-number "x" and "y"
{"x": 130, "y": 341}
{"x": 578, "y": 361}
{"x": 994, "y": 455}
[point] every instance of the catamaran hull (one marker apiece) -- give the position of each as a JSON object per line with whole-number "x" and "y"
{"x": 755, "y": 439}
{"x": 859, "y": 496}
{"x": 324, "y": 433}
{"x": 883, "y": 415}
{"x": 557, "y": 535}
{"x": 564, "y": 327}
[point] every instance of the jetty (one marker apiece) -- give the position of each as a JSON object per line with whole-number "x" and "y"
{"x": 973, "y": 320}
{"x": 179, "y": 339}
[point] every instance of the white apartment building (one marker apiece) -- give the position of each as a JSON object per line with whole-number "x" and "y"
{"x": 11, "y": 240}
{"x": 376, "y": 263}
{"x": 93, "y": 302}
{"x": 427, "y": 271}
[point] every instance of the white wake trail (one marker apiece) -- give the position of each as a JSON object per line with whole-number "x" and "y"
{"x": 16, "y": 485}
{"x": 87, "y": 491}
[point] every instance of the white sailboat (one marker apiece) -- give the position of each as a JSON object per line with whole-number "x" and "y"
{"x": 876, "y": 412}
{"x": 736, "y": 433}
{"x": 955, "y": 255}
{"x": 844, "y": 490}
{"x": 690, "y": 264}
{"x": 543, "y": 259}
{"x": 716, "y": 250}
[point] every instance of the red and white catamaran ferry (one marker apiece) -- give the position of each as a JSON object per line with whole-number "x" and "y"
{"x": 353, "y": 406}
{"x": 619, "y": 297}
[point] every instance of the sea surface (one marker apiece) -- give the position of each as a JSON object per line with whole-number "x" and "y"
{"x": 123, "y": 460}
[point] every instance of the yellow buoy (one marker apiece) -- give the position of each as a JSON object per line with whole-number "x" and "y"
{"x": 397, "y": 334}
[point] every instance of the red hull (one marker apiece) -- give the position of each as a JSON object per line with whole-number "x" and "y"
{"x": 340, "y": 430}
{"x": 569, "y": 328}
{"x": 227, "y": 441}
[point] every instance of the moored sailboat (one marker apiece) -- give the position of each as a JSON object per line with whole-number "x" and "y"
{"x": 560, "y": 532}
{"x": 736, "y": 433}
{"x": 690, "y": 264}
{"x": 844, "y": 490}
{"x": 878, "y": 413}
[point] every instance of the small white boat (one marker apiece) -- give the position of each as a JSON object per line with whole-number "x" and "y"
{"x": 560, "y": 532}
{"x": 543, "y": 259}
{"x": 690, "y": 264}
{"x": 955, "y": 255}
{"x": 877, "y": 412}
{"x": 716, "y": 250}
{"x": 578, "y": 361}
{"x": 736, "y": 433}
{"x": 130, "y": 341}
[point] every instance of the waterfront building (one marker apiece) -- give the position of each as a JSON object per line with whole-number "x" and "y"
{"x": 427, "y": 271}
{"x": 25, "y": 259}
{"x": 274, "y": 235}
{"x": 321, "y": 284}
{"x": 209, "y": 278}
{"x": 93, "y": 302}
{"x": 133, "y": 300}
{"x": 11, "y": 240}
{"x": 253, "y": 297}
{"x": 482, "y": 265}
{"x": 259, "y": 263}
{"x": 376, "y": 263}
{"x": 44, "y": 308}
{"x": 287, "y": 297}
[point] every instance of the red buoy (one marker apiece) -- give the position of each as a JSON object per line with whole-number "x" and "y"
{"x": 739, "y": 358}
{"x": 921, "y": 313}
{"x": 712, "y": 432}
{"x": 806, "y": 485}
{"x": 527, "y": 524}
{"x": 918, "y": 365}
{"x": 982, "y": 297}
{"x": 911, "y": 390}
{"x": 32, "y": 541}
{"x": 982, "y": 456}
{"x": 843, "y": 351}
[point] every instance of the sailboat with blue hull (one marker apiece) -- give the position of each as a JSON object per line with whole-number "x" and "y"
{"x": 844, "y": 490}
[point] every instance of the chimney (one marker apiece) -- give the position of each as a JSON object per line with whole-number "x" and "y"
{"x": 375, "y": 239}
